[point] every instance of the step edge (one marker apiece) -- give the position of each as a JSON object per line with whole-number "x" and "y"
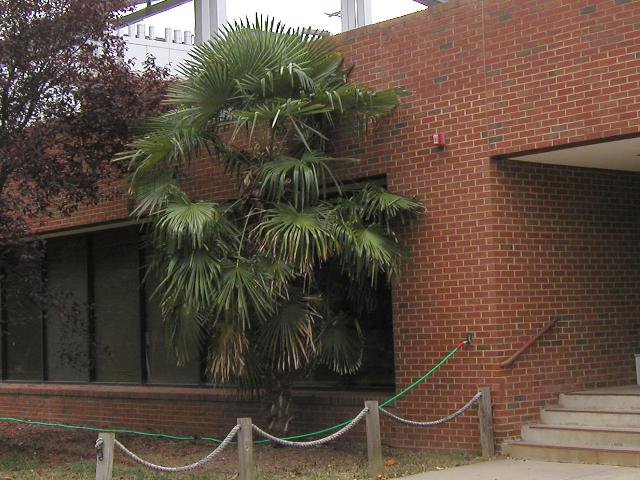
{"x": 634, "y": 451}
{"x": 578, "y": 410}
{"x": 583, "y": 428}
{"x": 601, "y": 394}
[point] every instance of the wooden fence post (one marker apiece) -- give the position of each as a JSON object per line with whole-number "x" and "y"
{"x": 247, "y": 469}
{"x": 104, "y": 459}
{"x": 374, "y": 443}
{"x": 485, "y": 416}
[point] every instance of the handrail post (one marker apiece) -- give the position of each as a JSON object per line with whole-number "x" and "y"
{"x": 104, "y": 456}
{"x": 374, "y": 442}
{"x": 246, "y": 467}
{"x": 485, "y": 416}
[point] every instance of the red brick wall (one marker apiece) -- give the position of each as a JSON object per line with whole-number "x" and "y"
{"x": 498, "y": 77}
{"x": 567, "y": 248}
{"x": 180, "y": 411}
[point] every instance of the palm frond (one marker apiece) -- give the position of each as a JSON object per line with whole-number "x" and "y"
{"x": 305, "y": 179}
{"x": 355, "y": 99}
{"x": 243, "y": 294}
{"x": 287, "y": 338}
{"x": 367, "y": 251}
{"x": 196, "y": 225}
{"x": 189, "y": 279}
{"x": 381, "y": 206}
{"x": 227, "y": 353}
{"x": 341, "y": 344}
{"x": 183, "y": 328}
{"x": 153, "y": 192}
{"x": 277, "y": 272}
{"x": 171, "y": 140}
{"x": 204, "y": 95}
{"x": 299, "y": 238}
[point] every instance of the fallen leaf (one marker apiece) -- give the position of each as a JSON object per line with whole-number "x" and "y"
{"x": 390, "y": 462}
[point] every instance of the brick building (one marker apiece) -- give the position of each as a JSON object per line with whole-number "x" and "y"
{"x": 532, "y": 216}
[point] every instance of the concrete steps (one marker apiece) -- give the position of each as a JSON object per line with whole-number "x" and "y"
{"x": 591, "y": 417}
{"x": 577, "y": 435}
{"x": 590, "y": 401}
{"x": 600, "y": 427}
{"x": 573, "y": 454}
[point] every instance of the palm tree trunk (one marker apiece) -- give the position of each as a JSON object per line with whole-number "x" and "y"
{"x": 279, "y": 397}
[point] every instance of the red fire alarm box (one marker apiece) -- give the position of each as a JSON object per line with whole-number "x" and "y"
{"x": 438, "y": 139}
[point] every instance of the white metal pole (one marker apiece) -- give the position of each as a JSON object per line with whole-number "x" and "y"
{"x": 363, "y": 12}
{"x": 348, "y": 14}
{"x": 210, "y": 16}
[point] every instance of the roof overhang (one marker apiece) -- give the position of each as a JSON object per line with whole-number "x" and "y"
{"x": 620, "y": 154}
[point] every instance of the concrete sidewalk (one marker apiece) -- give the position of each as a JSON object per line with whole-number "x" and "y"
{"x": 530, "y": 470}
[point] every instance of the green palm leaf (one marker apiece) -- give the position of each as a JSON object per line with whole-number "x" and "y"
{"x": 299, "y": 238}
{"x": 341, "y": 344}
{"x": 152, "y": 193}
{"x": 183, "y": 328}
{"x": 173, "y": 139}
{"x": 367, "y": 251}
{"x": 350, "y": 98}
{"x": 287, "y": 338}
{"x": 197, "y": 225}
{"x": 381, "y": 206}
{"x": 302, "y": 179}
{"x": 243, "y": 294}
{"x": 189, "y": 278}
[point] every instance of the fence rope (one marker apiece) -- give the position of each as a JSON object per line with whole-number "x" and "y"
{"x": 439, "y": 421}
{"x": 186, "y": 468}
{"x": 313, "y": 443}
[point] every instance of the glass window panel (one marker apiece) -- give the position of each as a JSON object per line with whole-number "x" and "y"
{"x": 161, "y": 363}
{"x": 117, "y": 308}
{"x": 67, "y": 312}
{"x": 377, "y": 358}
{"x": 24, "y": 324}
{"x": 377, "y": 369}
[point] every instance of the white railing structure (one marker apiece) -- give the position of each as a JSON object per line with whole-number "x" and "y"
{"x": 172, "y": 47}
{"x": 210, "y": 15}
{"x": 169, "y": 47}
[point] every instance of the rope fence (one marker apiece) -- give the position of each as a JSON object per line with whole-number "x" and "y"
{"x": 313, "y": 443}
{"x": 186, "y": 468}
{"x": 433, "y": 423}
{"x": 245, "y": 428}
{"x": 243, "y": 431}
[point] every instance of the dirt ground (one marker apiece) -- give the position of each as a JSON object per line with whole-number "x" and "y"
{"x": 37, "y": 453}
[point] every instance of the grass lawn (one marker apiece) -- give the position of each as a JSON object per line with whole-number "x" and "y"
{"x": 31, "y": 453}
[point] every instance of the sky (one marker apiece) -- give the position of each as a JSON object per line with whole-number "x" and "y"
{"x": 294, "y": 13}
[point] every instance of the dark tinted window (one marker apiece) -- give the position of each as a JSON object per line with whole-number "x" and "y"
{"x": 67, "y": 313}
{"x": 116, "y": 294}
{"x": 162, "y": 365}
{"x": 23, "y": 324}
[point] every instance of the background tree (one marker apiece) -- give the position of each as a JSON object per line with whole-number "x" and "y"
{"x": 68, "y": 102}
{"x": 276, "y": 280}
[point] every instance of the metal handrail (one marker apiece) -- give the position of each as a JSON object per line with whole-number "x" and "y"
{"x": 509, "y": 361}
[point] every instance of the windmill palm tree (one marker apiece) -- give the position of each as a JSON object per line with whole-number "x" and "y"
{"x": 249, "y": 276}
